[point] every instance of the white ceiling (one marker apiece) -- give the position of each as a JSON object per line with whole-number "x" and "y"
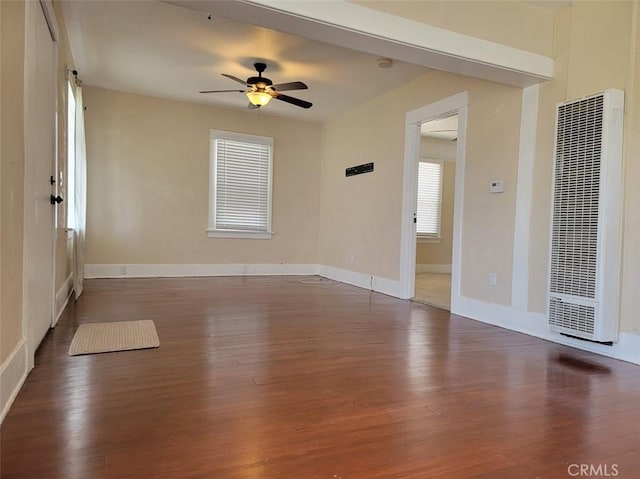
{"x": 168, "y": 51}
{"x": 444, "y": 129}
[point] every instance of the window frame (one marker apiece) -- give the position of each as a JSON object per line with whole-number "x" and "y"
{"x": 431, "y": 237}
{"x": 212, "y": 231}
{"x": 70, "y": 166}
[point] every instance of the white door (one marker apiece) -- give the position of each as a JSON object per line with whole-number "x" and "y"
{"x": 39, "y": 213}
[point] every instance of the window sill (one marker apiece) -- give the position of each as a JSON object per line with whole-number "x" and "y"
{"x": 239, "y": 234}
{"x": 428, "y": 239}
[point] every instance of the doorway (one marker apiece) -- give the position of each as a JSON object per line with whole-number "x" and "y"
{"x": 434, "y": 213}
{"x": 40, "y": 190}
{"x": 454, "y": 106}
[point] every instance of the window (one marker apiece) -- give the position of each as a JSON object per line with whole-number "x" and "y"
{"x": 240, "y": 185}
{"x": 71, "y": 157}
{"x": 429, "y": 199}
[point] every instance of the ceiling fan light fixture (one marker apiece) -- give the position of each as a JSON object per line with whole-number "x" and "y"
{"x": 258, "y": 98}
{"x": 261, "y": 89}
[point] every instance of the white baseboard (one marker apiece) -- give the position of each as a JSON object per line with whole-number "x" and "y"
{"x": 375, "y": 283}
{"x": 433, "y": 268}
{"x": 13, "y": 372}
{"x": 535, "y": 324}
{"x": 390, "y": 287}
{"x": 62, "y": 297}
{"x": 182, "y": 270}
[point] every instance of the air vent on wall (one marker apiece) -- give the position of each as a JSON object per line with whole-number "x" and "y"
{"x": 585, "y": 230}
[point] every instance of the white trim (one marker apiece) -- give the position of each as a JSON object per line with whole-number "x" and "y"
{"x": 240, "y": 137}
{"x": 524, "y": 189}
{"x": 390, "y": 287}
{"x": 50, "y": 16}
{"x": 535, "y": 324}
{"x": 62, "y": 298}
{"x": 187, "y": 270}
{"x": 375, "y": 283}
{"x": 340, "y": 22}
{"x": 433, "y": 268}
{"x": 239, "y": 234}
{"x": 440, "y": 109}
{"x": 386, "y": 286}
{"x": 428, "y": 239}
{"x": 13, "y": 373}
{"x": 461, "y": 152}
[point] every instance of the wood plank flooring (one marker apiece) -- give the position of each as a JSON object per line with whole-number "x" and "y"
{"x": 302, "y": 378}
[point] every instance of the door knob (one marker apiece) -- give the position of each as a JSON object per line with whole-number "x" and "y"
{"x": 56, "y": 199}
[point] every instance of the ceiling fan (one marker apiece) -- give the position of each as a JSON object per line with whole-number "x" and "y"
{"x": 261, "y": 90}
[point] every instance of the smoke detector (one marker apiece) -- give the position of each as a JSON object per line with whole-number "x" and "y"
{"x": 385, "y": 62}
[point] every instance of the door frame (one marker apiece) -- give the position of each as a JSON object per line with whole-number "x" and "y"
{"x": 31, "y": 12}
{"x": 456, "y": 104}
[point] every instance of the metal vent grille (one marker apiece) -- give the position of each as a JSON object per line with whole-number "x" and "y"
{"x": 578, "y": 318}
{"x": 574, "y": 241}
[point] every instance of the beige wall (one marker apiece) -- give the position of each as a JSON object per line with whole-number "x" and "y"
{"x": 441, "y": 252}
{"x": 550, "y": 93}
{"x": 360, "y": 216}
{"x": 148, "y": 166}
{"x": 630, "y": 318}
{"x": 593, "y": 50}
{"x": 12, "y": 174}
{"x": 516, "y": 24}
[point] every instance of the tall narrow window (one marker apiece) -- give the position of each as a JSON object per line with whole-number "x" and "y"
{"x": 429, "y": 199}
{"x": 240, "y": 185}
{"x": 71, "y": 156}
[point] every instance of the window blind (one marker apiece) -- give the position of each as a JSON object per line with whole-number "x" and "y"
{"x": 429, "y": 198}
{"x": 242, "y": 185}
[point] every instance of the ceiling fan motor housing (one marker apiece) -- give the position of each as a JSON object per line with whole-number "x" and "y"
{"x": 259, "y": 81}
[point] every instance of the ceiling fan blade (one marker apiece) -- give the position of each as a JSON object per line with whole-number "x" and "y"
{"x": 293, "y": 101}
{"x": 294, "y": 85}
{"x": 231, "y": 77}
{"x": 221, "y": 91}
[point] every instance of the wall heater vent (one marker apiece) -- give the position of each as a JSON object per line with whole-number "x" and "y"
{"x": 585, "y": 229}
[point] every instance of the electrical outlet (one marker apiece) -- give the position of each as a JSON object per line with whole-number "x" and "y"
{"x": 123, "y": 270}
{"x": 493, "y": 279}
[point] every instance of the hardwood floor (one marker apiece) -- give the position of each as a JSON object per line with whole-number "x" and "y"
{"x": 301, "y": 378}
